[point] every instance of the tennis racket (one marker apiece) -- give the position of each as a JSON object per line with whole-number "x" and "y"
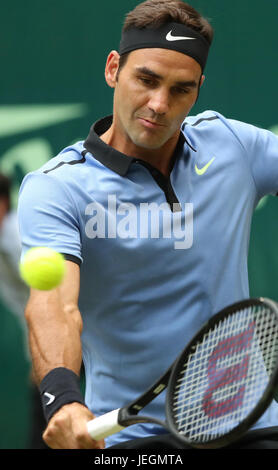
{"x": 220, "y": 384}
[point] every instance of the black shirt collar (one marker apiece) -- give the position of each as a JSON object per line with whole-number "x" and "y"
{"x": 108, "y": 156}
{"x": 111, "y": 158}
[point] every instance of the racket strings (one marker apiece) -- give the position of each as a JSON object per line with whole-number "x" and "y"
{"x": 226, "y": 374}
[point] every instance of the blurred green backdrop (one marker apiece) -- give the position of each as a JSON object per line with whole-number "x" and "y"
{"x": 52, "y": 56}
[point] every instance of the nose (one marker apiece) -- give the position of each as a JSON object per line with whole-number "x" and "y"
{"x": 159, "y": 101}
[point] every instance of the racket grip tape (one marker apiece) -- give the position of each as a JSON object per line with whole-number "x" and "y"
{"x": 104, "y": 425}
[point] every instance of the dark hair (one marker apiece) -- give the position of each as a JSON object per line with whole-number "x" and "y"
{"x": 158, "y": 12}
{"x": 5, "y": 188}
{"x": 155, "y": 13}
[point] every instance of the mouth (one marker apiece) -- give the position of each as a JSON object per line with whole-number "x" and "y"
{"x": 150, "y": 124}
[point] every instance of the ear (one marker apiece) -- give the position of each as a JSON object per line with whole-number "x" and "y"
{"x": 111, "y": 68}
{"x": 202, "y": 79}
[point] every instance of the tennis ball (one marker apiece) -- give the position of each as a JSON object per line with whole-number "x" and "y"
{"x": 42, "y": 268}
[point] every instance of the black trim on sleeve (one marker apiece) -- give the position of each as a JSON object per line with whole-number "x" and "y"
{"x": 72, "y": 258}
{"x": 73, "y": 162}
{"x": 205, "y": 119}
{"x": 212, "y": 118}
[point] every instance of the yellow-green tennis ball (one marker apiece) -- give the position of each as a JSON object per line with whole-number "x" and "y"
{"x": 42, "y": 268}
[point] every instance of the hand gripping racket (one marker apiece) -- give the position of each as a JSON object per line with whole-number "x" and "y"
{"x": 220, "y": 384}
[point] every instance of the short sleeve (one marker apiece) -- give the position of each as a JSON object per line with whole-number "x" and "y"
{"x": 261, "y": 148}
{"x": 47, "y": 216}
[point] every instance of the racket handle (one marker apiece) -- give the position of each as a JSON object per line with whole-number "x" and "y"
{"x": 104, "y": 425}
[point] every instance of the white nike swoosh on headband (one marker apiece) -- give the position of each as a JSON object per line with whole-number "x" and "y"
{"x": 169, "y": 37}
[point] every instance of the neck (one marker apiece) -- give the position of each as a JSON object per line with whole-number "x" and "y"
{"x": 158, "y": 158}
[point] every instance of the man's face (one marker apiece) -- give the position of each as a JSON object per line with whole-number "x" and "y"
{"x": 154, "y": 92}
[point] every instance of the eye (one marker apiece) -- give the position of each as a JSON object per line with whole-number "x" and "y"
{"x": 182, "y": 91}
{"x": 147, "y": 81}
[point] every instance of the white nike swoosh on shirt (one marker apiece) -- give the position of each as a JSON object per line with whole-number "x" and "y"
{"x": 51, "y": 398}
{"x": 170, "y": 37}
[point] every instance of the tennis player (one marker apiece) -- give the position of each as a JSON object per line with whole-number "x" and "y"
{"x": 153, "y": 213}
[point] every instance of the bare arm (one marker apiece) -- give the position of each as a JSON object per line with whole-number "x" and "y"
{"x": 55, "y": 326}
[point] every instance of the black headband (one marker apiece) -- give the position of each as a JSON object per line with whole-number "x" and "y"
{"x": 174, "y": 36}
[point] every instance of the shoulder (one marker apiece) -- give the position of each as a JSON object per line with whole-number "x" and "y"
{"x": 214, "y": 125}
{"x": 203, "y": 118}
{"x": 62, "y": 165}
{"x": 212, "y": 121}
{"x": 59, "y": 173}
{"x": 48, "y": 190}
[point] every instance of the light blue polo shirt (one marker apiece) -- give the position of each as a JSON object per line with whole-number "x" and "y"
{"x": 157, "y": 256}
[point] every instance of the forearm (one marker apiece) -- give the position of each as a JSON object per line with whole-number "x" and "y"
{"x": 55, "y": 327}
{"x": 54, "y": 334}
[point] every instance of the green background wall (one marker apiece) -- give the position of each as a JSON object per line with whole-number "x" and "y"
{"x": 52, "y": 58}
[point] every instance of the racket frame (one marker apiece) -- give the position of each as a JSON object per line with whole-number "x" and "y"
{"x": 128, "y": 415}
{"x": 116, "y": 420}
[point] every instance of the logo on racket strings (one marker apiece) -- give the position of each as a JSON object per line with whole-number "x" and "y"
{"x": 225, "y": 378}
